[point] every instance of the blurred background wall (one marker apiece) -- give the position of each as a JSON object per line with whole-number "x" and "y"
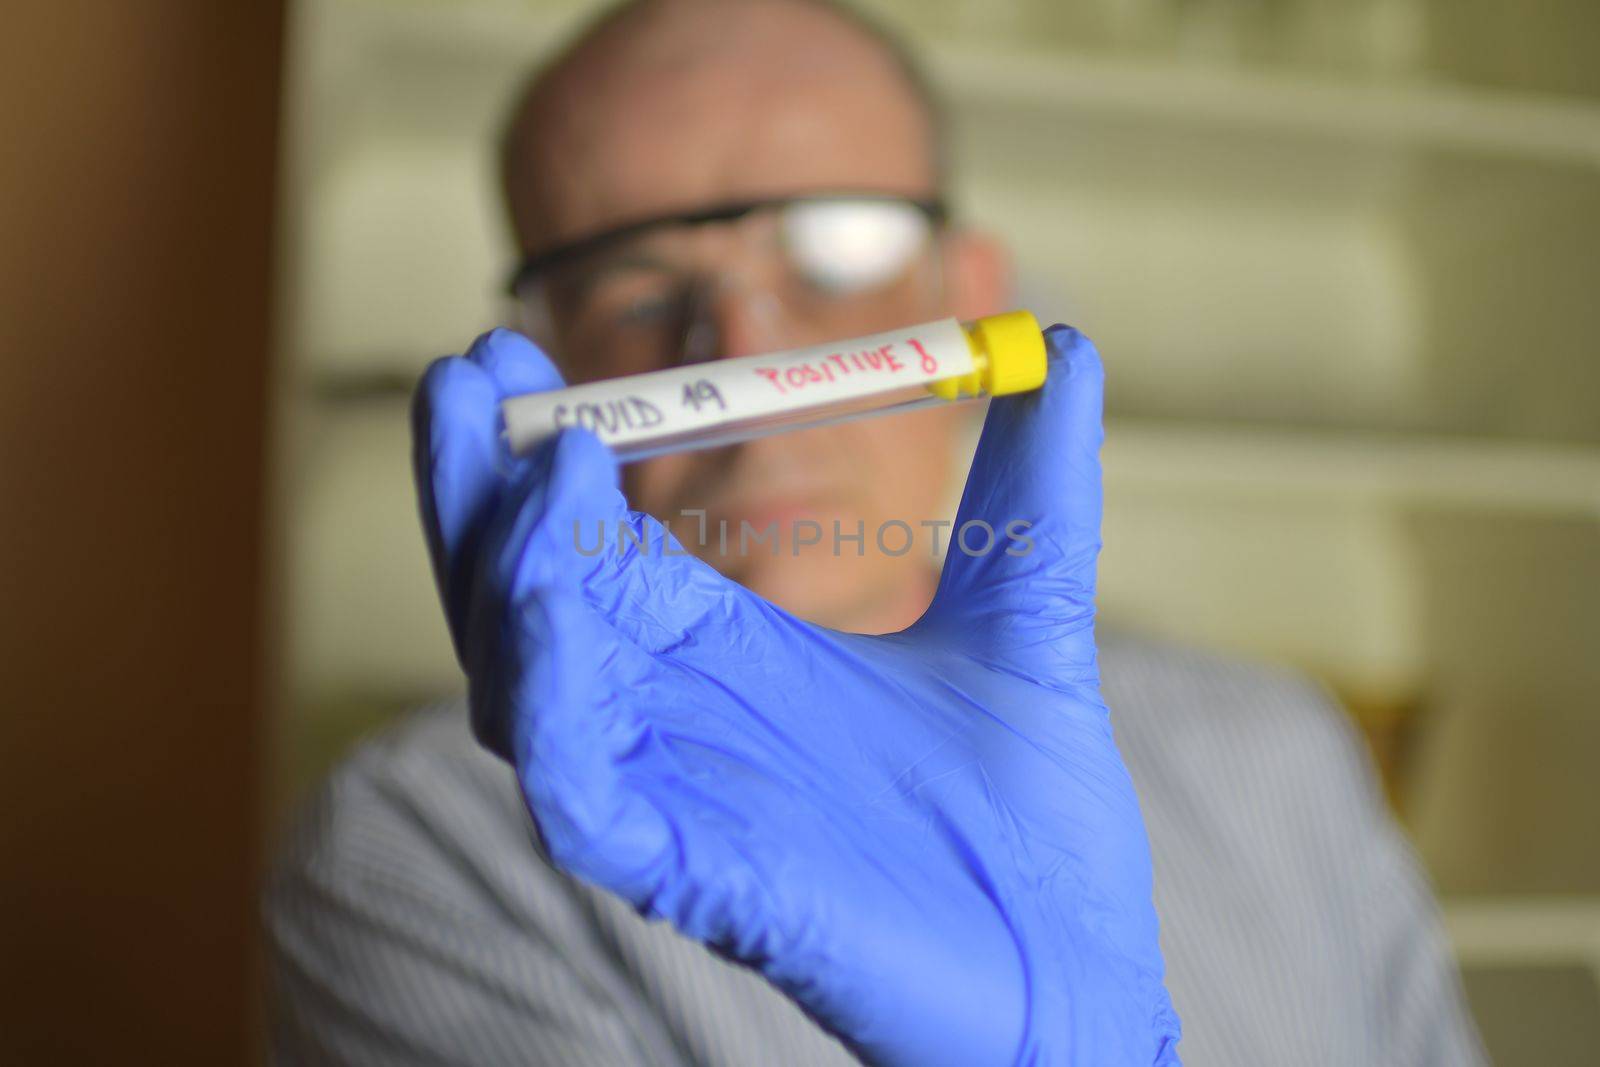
{"x": 137, "y": 187}
{"x": 1342, "y": 258}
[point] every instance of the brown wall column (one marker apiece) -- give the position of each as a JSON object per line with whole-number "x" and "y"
{"x": 136, "y": 195}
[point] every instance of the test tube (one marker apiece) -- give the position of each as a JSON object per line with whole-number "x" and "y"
{"x": 722, "y": 402}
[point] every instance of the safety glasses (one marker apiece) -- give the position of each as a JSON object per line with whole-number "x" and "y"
{"x": 746, "y": 276}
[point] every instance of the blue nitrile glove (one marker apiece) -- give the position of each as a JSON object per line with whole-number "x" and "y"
{"x": 927, "y": 839}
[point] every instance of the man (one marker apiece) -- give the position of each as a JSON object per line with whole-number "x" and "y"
{"x": 419, "y": 917}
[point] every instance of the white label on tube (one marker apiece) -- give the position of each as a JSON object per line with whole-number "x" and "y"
{"x": 702, "y": 396}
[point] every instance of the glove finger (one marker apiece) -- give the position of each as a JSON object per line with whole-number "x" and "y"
{"x": 569, "y": 487}
{"x": 567, "y": 513}
{"x": 1020, "y": 573}
{"x": 456, "y": 471}
{"x": 574, "y": 521}
{"x": 459, "y": 462}
{"x": 608, "y": 792}
{"x": 515, "y": 364}
{"x": 572, "y": 726}
{"x": 664, "y": 598}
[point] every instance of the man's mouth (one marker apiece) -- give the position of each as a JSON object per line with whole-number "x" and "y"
{"x": 764, "y": 512}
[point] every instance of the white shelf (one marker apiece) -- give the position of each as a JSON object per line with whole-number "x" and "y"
{"x": 1523, "y": 125}
{"x": 1287, "y": 464}
{"x": 1525, "y": 930}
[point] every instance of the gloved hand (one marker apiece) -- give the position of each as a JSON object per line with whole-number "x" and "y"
{"x": 927, "y": 839}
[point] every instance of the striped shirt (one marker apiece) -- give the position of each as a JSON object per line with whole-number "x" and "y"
{"x": 412, "y": 918}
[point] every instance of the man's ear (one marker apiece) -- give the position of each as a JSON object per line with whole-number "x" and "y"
{"x": 977, "y": 274}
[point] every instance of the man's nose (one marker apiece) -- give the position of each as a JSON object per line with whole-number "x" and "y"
{"x": 750, "y": 321}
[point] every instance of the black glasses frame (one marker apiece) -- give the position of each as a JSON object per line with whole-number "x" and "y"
{"x": 531, "y": 267}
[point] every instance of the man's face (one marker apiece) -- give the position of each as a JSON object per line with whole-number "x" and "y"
{"x": 771, "y": 100}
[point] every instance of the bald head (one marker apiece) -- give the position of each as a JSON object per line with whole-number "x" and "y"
{"x": 666, "y": 105}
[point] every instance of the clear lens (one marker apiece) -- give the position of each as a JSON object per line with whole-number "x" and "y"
{"x": 846, "y": 246}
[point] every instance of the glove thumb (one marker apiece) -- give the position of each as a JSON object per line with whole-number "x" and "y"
{"x": 1020, "y": 572}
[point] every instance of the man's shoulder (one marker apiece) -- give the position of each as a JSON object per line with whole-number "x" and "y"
{"x": 426, "y": 754}
{"x": 1183, "y": 713}
{"x": 418, "y": 788}
{"x": 1182, "y": 688}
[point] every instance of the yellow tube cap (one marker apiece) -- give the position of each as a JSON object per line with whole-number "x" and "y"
{"x": 1015, "y": 347}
